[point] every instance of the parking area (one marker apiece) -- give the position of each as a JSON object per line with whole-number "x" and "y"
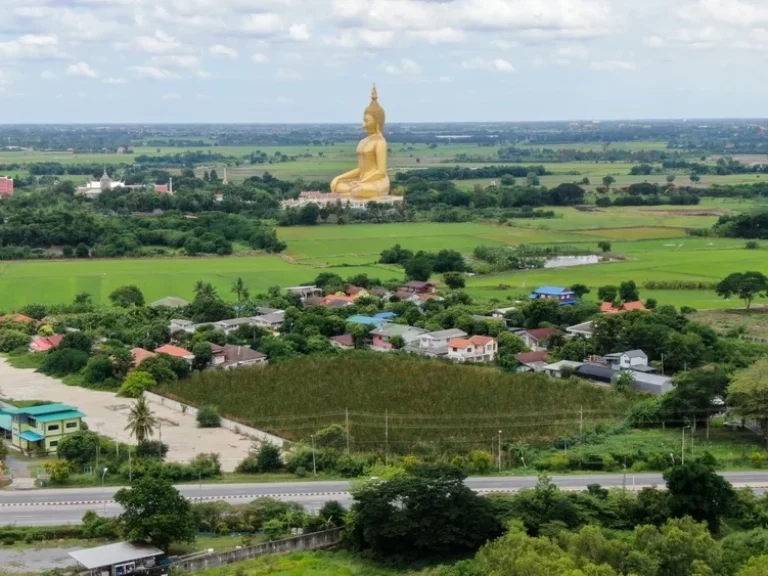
{"x": 107, "y": 414}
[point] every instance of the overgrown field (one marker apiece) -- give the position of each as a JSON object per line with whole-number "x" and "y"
{"x": 400, "y": 401}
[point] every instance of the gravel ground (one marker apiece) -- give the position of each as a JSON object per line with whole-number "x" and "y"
{"x": 108, "y": 414}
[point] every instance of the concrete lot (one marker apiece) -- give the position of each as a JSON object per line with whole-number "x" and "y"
{"x": 108, "y": 414}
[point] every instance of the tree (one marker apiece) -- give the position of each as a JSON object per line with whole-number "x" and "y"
{"x": 454, "y": 280}
{"x": 532, "y": 179}
{"x": 604, "y": 245}
{"x": 624, "y": 381}
{"x": 136, "y": 383}
{"x": 76, "y": 341}
{"x": 208, "y": 417}
{"x": 748, "y": 394}
{"x": 83, "y": 298}
{"x": 694, "y": 178}
{"x": 628, "y": 291}
{"x": 746, "y": 285}
{"x": 392, "y": 517}
{"x": 755, "y": 566}
{"x": 141, "y": 420}
{"x": 696, "y": 490}
{"x": 580, "y": 290}
{"x": 333, "y": 513}
{"x": 670, "y": 178}
{"x": 203, "y": 355}
{"x": 608, "y": 180}
{"x": 694, "y": 393}
{"x": 12, "y": 339}
{"x": 127, "y": 296}
{"x": 58, "y": 470}
{"x": 607, "y": 293}
{"x": 334, "y": 436}
{"x": 98, "y": 369}
{"x": 240, "y": 290}
{"x": 449, "y": 261}
{"x": 82, "y": 251}
{"x": 156, "y": 513}
{"x": 419, "y": 268}
{"x": 308, "y": 214}
{"x": 80, "y": 447}
{"x": 507, "y": 180}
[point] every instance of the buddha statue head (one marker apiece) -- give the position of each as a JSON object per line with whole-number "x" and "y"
{"x": 374, "y": 117}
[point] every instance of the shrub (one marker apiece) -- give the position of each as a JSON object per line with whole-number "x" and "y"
{"x": 265, "y": 459}
{"x": 62, "y": 361}
{"x": 559, "y": 462}
{"x": 136, "y": 383}
{"x": 410, "y": 462}
{"x": 757, "y": 459}
{"x": 752, "y": 245}
{"x": 208, "y": 417}
{"x": 350, "y": 465}
{"x": 152, "y": 449}
{"x": 12, "y": 339}
{"x": 301, "y": 472}
{"x": 481, "y": 461}
{"x": 335, "y": 436}
{"x": 98, "y": 369}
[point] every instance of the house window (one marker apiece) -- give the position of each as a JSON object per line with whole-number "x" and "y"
{"x": 71, "y": 425}
{"x": 53, "y": 427}
{"x": 54, "y": 443}
{"x": 32, "y": 422}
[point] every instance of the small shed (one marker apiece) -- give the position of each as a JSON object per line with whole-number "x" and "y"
{"x": 117, "y": 559}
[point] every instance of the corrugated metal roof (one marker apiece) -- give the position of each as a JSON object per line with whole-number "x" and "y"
{"x": 31, "y": 436}
{"x": 40, "y": 410}
{"x": 114, "y": 554}
{"x": 60, "y": 416}
{"x": 5, "y": 421}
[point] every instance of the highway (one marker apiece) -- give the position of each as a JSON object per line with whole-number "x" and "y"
{"x": 50, "y": 507}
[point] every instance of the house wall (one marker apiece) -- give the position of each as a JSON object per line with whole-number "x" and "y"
{"x": 381, "y": 342}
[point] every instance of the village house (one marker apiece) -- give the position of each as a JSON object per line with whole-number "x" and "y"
{"x": 501, "y": 313}
{"x": 558, "y": 369}
{"x": 383, "y": 335}
{"x": 585, "y": 329}
{"x": 532, "y": 361}
{"x": 366, "y": 320}
{"x": 539, "y": 338}
{"x": 337, "y": 302}
{"x": 170, "y": 302}
{"x": 651, "y": 383}
{"x": 40, "y": 428}
{"x": 272, "y": 321}
{"x": 18, "y": 318}
{"x": 175, "y": 352}
{"x": 305, "y": 292}
{"x": 343, "y": 342}
{"x": 117, "y": 559}
{"x": 416, "y": 287}
{"x": 629, "y": 360}
{"x": 473, "y": 349}
{"x": 562, "y": 295}
{"x": 435, "y": 344}
{"x": 139, "y": 355}
{"x": 45, "y": 343}
{"x": 237, "y": 356}
{"x": 609, "y": 308}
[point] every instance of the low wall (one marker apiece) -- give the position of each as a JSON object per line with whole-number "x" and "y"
{"x": 314, "y": 541}
{"x": 226, "y": 423}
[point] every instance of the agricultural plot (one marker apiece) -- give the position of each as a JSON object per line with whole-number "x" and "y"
{"x": 415, "y": 400}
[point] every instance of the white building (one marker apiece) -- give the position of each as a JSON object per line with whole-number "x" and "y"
{"x": 324, "y": 199}
{"x": 629, "y": 360}
{"x": 585, "y": 329}
{"x": 474, "y": 349}
{"x": 93, "y": 188}
{"x": 435, "y": 344}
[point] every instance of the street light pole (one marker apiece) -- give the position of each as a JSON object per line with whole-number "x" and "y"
{"x": 314, "y": 465}
{"x": 499, "y": 450}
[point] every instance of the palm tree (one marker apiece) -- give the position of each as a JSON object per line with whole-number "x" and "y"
{"x": 204, "y": 289}
{"x": 239, "y": 288}
{"x": 141, "y": 421}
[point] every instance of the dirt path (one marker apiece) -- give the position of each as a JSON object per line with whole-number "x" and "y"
{"x": 108, "y": 414}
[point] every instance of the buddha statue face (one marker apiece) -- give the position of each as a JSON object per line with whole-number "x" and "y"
{"x": 370, "y": 125}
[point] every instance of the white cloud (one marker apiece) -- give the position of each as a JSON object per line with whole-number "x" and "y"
{"x": 176, "y": 61}
{"x": 445, "y": 79}
{"x": 259, "y": 58}
{"x": 573, "y": 52}
{"x": 612, "y": 65}
{"x": 299, "y": 32}
{"x": 81, "y": 69}
{"x": 440, "y": 35}
{"x": 31, "y": 47}
{"x": 202, "y": 96}
{"x": 740, "y": 13}
{"x": 223, "y": 51}
{"x": 154, "y": 72}
{"x": 496, "y": 64}
{"x": 75, "y": 24}
{"x": 171, "y": 96}
{"x": 697, "y": 38}
{"x": 363, "y": 37}
{"x": 286, "y": 74}
{"x": 203, "y": 74}
{"x": 504, "y": 44}
{"x": 406, "y": 66}
{"x": 114, "y": 81}
{"x": 47, "y": 75}
{"x": 160, "y": 43}
{"x": 284, "y": 100}
{"x": 264, "y": 24}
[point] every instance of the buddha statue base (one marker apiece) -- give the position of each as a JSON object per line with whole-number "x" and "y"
{"x": 363, "y": 190}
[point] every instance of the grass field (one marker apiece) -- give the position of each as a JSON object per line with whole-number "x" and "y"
{"x": 428, "y": 401}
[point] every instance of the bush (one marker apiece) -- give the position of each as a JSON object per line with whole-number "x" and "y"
{"x": 12, "y": 339}
{"x": 301, "y": 472}
{"x": 351, "y": 465}
{"x": 559, "y": 462}
{"x": 481, "y": 461}
{"x": 757, "y": 459}
{"x": 208, "y": 417}
{"x": 136, "y": 383}
{"x": 98, "y": 369}
{"x": 152, "y": 449}
{"x": 61, "y": 362}
{"x": 334, "y": 436}
{"x": 752, "y": 245}
{"x": 265, "y": 459}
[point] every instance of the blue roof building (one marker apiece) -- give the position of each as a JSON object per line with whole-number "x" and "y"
{"x": 40, "y": 428}
{"x": 366, "y": 320}
{"x": 385, "y": 315}
{"x": 564, "y": 296}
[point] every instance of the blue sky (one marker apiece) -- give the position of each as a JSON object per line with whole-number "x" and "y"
{"x": 433, "y": 60}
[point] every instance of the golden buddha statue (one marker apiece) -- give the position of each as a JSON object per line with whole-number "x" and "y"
{"x": 369, "y": 179}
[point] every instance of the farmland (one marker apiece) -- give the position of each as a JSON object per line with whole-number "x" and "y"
{"x": 425, "y": 401}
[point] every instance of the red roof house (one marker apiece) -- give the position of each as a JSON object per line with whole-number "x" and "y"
{"x": 175, "y": 351}
{"x": 139, "y": 355}
{"x": 345, "y": 341}
{"x": 46, "y": 343}
{"x": 539, "y": 337}
{"x": 20, "y": 318}
{"x": 609, "y": 308}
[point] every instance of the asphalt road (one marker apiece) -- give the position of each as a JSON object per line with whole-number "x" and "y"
{"x": 64, "y": 506}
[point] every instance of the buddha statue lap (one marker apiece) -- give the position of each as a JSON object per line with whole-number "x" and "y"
{"x": 369, "y": 179}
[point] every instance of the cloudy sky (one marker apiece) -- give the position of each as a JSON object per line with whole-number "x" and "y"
{"x": 433, "y": 60}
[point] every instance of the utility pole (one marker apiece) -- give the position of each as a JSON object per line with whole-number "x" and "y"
{"x": 347, "y": 415}
{"x": 662, "y": 364}
{"x": 581, "y": 434}
{"x": 386, "y": 437}
{"x": 499, "y": 450}
{"x": 314, "y": 464}
{"x": 130, "y": 465}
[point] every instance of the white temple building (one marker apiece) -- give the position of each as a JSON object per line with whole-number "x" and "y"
{"x": 93, "y": 188}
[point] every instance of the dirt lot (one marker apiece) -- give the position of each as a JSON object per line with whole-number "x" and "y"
{"x": 754, "y": 323}
{"x": 108, "y": 414}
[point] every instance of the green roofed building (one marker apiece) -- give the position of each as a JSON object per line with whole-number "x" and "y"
{"x": 40, "y": 428}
